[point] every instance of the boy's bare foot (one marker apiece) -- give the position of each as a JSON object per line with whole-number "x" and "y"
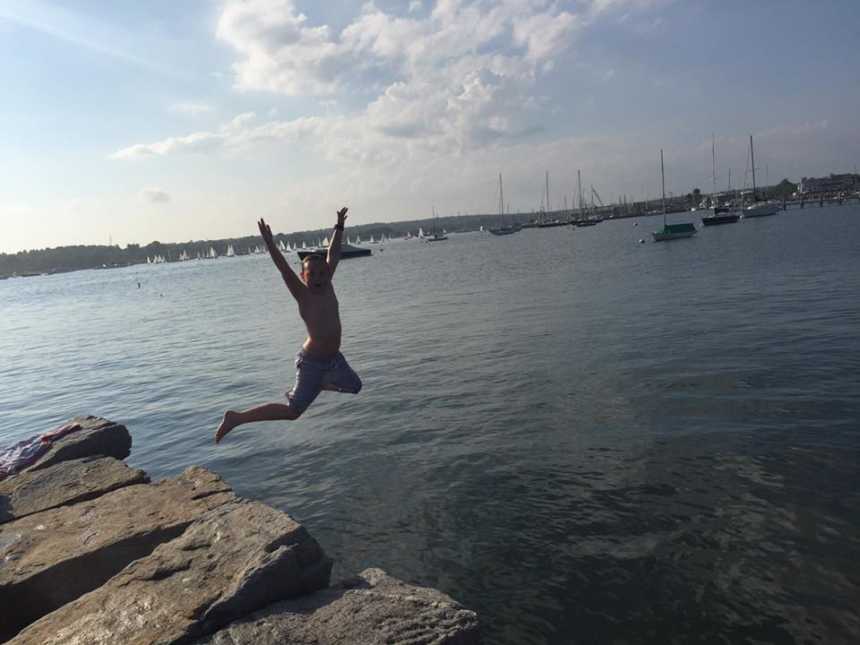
{"x": 227, "y": 424}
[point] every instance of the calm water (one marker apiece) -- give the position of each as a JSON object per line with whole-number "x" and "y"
{"x": 583, "y": 438}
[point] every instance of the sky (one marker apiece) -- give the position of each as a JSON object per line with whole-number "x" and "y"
{"x": 131, "y": 122}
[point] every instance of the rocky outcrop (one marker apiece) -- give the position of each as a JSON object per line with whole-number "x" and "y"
{"x": 91, "y": 552}
{"x": 96, "y": 436}
{"x": 86, "y": 544}
{"x": 230, "y": 562}
{"x": 63, "y": 484}
{"x": 372, "y": 609}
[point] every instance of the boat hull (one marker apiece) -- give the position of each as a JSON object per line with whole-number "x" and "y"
{"x": 761, "y": 210}
{"x": 674, "y": 232}
{"x": 503, "y": 231}
{"x": 665, "y": 237}
{"x": 344, "y": 253}
{"x": 716, "y": 220}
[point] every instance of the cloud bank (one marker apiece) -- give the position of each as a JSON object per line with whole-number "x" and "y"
{"x": 458, "y": 78}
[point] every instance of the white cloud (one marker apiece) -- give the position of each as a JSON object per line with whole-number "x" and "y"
{"x": 155, "y": 195}
{"x": 460, "y": 78}
{"x": 190, "y": 109}
{"x": 241, "y": 131}
{"x": 280, "y": 51}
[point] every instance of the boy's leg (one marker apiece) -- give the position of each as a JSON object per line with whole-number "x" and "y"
{"x": 267, "y": 412}
{"x": 341, "y": 378}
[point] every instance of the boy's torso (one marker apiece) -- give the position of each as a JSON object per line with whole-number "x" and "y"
{"x": 321, "y": 314}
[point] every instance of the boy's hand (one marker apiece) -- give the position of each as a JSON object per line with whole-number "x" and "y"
{"x": 341, "y": 216}
{"x": 265, "y": 231}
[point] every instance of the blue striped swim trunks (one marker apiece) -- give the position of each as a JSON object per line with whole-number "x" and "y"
{"x": 313, "y": 375}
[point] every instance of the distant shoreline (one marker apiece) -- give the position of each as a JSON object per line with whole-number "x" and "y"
{"x": 65, "y": 259}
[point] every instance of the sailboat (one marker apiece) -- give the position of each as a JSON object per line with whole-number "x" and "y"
{"x": 671, "y": 231}
{"x": 719, "y": 214}
{"x": 230, "y": 252}
{"x": 437, "y": 235}
{"x": 544, "y": 222}
{"x": 585, "y": 218}
{"x": 503, "y": 229}
{"x": 757, "y": 208}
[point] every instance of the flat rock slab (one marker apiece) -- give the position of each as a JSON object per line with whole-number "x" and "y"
{"x": 369, "y": 610}
{"x": 63, "y": 484}
{"x": 234, "y": 560}
{"x": 50, "y": 558}
{"x": 96, "y": 437}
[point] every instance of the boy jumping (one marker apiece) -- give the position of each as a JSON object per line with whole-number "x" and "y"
{"x": 319, "y": 364}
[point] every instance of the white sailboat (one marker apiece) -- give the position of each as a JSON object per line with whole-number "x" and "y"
{"x": 230, "y": 252}
{"x": 543, "y": 222}
{"x": 502, "y": 228}
{"x": 759, "y": 208}
{"x": 437, "y": 236}
{"x": 718, "y": 214}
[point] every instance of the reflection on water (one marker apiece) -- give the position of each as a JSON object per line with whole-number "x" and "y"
{"x": 583, "y": 438}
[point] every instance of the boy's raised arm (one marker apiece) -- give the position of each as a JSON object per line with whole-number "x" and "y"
{"x": 336, "y": 240}
{"x": 290, "y": 278}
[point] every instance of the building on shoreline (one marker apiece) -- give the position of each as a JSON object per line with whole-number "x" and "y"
{"x": 845, "y": 182}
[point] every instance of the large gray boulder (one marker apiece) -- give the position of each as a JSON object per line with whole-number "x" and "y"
{"x": 234, "y": 560}
{"x": 97, "y": 436}
{"x": 52, "y": 557}
{"x": 372, "y": 609}
{"x": 63, "y": 484}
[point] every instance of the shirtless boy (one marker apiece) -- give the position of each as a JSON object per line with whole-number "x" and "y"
{"x": 319, "y": 364}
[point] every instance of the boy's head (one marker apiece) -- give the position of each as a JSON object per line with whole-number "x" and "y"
{"x": 315, "y": 272}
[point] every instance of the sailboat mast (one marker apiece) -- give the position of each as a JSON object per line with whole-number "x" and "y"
{"x": 663, "y": 185}
{"x": 547, "y": 191}
{"x": 752, "y": 161}
{"x": 714, "y": 166}
{"x": 501, "y": 200}
{"x": 579, "y": 188}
